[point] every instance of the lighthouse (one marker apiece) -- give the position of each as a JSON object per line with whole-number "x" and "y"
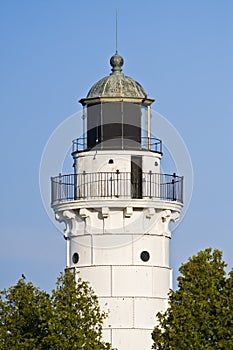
{"x": 117, "y": 206}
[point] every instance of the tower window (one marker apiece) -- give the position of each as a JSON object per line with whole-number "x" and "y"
{"x": 145, "y": 256}
{"x": 110, "y": 161}
{"x": 75, "y": 258}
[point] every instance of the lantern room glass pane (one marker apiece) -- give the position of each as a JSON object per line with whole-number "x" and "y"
{"x": 132, "y": 125}
{"x": 111, "y": 125}
{"x": 93, "y": 125}
{"x": 144, "y": 128}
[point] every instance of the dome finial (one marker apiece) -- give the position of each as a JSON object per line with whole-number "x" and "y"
{"x": 116, "y": 33}
{"x": 116, "y": 60}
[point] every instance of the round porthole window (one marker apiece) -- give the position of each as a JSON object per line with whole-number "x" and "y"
{"x": 75, "y": 258}
{"x": 145, "y": 256}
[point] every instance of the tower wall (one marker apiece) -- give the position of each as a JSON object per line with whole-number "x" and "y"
{"x": 109, "y": 242}
{"x": 98, "y": 161}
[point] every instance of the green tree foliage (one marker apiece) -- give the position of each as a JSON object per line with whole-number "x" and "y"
{"x": 31, "y": 319}
{"x": 77, "y": 319}
{"x": 24, "y": 317}
{"x": 200, "y": 312}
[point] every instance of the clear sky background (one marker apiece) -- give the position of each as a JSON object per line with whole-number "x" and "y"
{"x": 52, "y": 52}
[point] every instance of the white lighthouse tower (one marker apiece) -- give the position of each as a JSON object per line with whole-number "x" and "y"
{"x": 117, "y": 207}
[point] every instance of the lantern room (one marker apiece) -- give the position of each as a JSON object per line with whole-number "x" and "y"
{"x": 117, "y": 114}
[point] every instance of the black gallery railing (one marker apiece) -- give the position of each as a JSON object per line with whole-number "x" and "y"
{"x": 144, "y": 144}
{"x": 116, "y": 185}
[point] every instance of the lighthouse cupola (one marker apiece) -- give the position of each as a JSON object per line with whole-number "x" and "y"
{"x": 117, "y": 112}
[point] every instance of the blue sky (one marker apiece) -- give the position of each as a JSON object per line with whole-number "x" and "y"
{"x": 51, "y": 54}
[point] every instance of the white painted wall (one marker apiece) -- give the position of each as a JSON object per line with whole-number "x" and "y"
{"x": 109, "y": 235}
{"x": 98, "y": 161}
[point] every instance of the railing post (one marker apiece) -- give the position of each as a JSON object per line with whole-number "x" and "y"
{"x": 110, "y": 179}
{"x": 173, "y": 187}
{"x": 59, "y": 186}
{"x": 117, "y": 182}
{"x": 181, "y": 189}
{"x": 150, "y": 192}
{"x": 75, "y": 186}
{"x": 84, "y": 184}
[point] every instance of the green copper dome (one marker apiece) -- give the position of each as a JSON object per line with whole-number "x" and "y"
{"x": 117, "y": 84}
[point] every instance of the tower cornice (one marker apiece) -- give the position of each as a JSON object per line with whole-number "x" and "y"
{"x": 117, "y": 203}
{"x": 88, "y": 101}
